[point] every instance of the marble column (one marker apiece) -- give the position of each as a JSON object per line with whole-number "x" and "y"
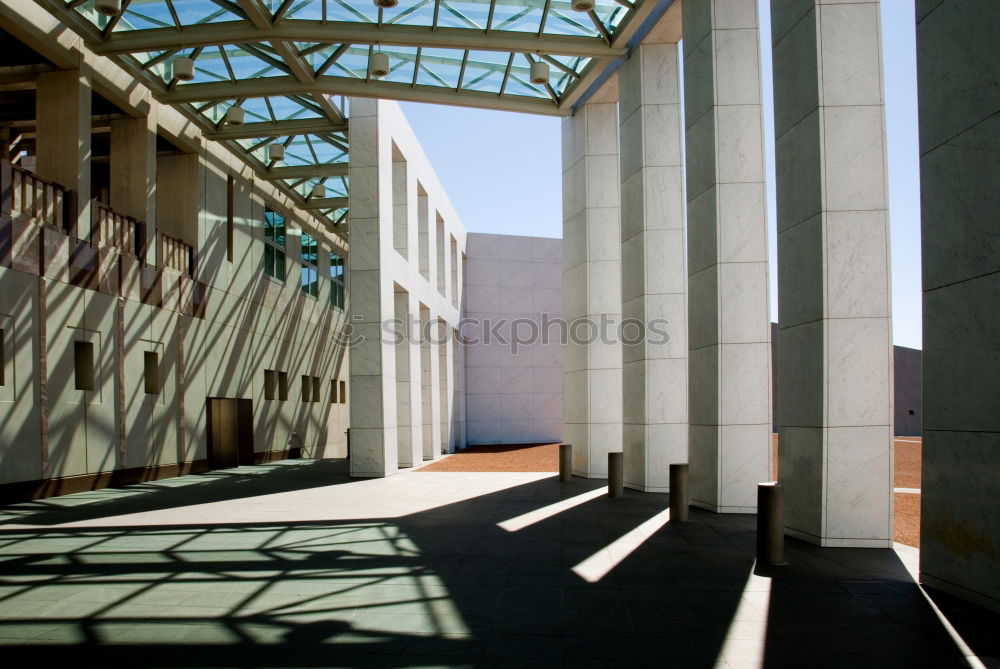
{"x": 653, "y": 290}
{"x": 63, "y": 117}
{"x": 373, "y": 357}
{"x": 592, "y": 283}
{"x": 958, "y": 75}
{"x": 729, "y": 326}
{"x": 133, "y": 174}
{"x": 835, "y": 326}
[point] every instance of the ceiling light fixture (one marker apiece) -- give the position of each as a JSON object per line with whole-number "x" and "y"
{"x": 108, "y": 7}
{"x": 235, "y": 115}
{"x": 183, "y": 68}
{"x": 583, "y": 5}
{"x": 386, "y": 4}
{"x": 539, "y": 72}
{"x": 318, "y": 192}
{"x": 378, "y": 65}
{"x": 275, "y": 152}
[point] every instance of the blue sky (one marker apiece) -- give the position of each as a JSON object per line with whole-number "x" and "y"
{"x": 502, "y": 170}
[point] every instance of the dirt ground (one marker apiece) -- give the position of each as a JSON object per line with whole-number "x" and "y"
{"x": 545, "y": 458}
{"x": 500, "y": 458}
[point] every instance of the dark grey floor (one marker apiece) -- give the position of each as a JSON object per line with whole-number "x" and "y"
{"x": 447, "y": 587}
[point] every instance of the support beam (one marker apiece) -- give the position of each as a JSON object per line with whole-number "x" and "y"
{"x": 267, "y": 86}
{"x": 959, "y": 100}
{"x": 310, "y": 126}
{"x": 343, "y": 32}
{"x": 307, "y": 171}
{"x": 835, "y": 328}
{"x": 729, "y": 309}
{"x": 591, "y": 284}
{"x": 653, "y": 290}
{"x": 326, "y": 203}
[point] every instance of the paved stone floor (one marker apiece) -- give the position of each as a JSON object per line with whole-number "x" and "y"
{"x": 294, "y": 565}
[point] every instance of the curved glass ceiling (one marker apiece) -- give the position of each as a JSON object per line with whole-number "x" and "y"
{"x": 289, "y": 64}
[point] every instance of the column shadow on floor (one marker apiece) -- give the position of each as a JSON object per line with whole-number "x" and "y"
{"x": 448, "y": 586}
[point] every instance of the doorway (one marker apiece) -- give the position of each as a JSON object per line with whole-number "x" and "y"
{"x": 230, "y": 432}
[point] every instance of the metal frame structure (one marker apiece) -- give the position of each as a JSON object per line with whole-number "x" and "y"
{"x": 290, "y": 64}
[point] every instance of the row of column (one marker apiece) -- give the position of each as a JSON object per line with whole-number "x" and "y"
{"x": 404, "y": 384}
{"x": 631, "y": 191}
{"x": 63, "y": 150}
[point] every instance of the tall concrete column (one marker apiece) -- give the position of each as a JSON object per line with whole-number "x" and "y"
{"x": 373, "y": 357}
{"x": 592, "y": 283}
{"x": 430, "y": 387}
{"x": 835, "y": 328}
{"x": 654, "y": 367}
{"x": 958, "y": 73}
{"x": 729, "y": 327}
{"x": 63, "y": 117}
{"x": 133, "y": 173}
{"x": 409, "y": 434}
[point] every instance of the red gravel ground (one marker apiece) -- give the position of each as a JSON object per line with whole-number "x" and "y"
{"x": 545, "y": 458}
{"x": 500, "y": 458}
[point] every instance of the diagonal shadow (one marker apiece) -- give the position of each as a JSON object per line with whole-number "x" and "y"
{"x": 448, "y": 586}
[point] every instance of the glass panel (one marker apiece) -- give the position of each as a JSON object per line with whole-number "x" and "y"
{"x": 309, "y": 281}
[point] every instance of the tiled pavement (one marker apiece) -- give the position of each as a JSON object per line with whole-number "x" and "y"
{"x": 295, "y": 565}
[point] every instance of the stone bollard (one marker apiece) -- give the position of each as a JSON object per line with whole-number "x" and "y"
{"x": 616, "y": 475}
{"x": 679, "y": 492}
{"x": 770, "y": 524}
{"x": 565, "y": 462}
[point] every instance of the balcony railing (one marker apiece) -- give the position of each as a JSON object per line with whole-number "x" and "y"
{"x": 113, "y": 228}
{"x": 41, "y": 199}
{"x": 176, "y": 254}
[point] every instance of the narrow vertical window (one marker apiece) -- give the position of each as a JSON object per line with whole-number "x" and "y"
{"x": 333, "y": 391}
{"x": 337, "y": 291}
{"x": 274, "y": 244}
{"x": 230, "y": 216}
{"x": 316, "y": 389}
{"x": 3, "y": 359}
{"x": 309, "y": 274}
{"x": 282, "y": 386}
{"x": 270, "y": 384}
{"x": 83, "y": 365}
{"x": 151, "y": 372}
{"x": 306, "y": 389}
{"x": 343, "y": 392}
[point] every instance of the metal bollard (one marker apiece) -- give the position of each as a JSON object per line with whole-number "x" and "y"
{"x": 565, "y": 462}
{"x": 616, "y": 475}
{"x": 770, "y": 524}
{"x": 679, "y": 500}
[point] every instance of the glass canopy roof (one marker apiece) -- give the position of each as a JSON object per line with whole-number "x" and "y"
{"x": 290, "y": 64}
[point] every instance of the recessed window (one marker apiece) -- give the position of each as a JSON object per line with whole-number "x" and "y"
{"x": 337, "y": 291}
{"x": 316, "y": 389}
{"x": 3, "y": 359}
{"x": 333, "y": 391}
{"x": 230, "y": 216}
{"x": 343, "y": 392}
{"x": 282, "y": 386}
{"x": 151, "y": 372}
{"x": 309, "y": 274}
{"x": 270, "y": 384}
{"x": 274, "y": 244}
{"x": 83, "y": 365}
{"x": 307, "y": 389}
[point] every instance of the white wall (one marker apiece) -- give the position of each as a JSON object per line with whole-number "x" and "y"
{"x": 513, "y": 397}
